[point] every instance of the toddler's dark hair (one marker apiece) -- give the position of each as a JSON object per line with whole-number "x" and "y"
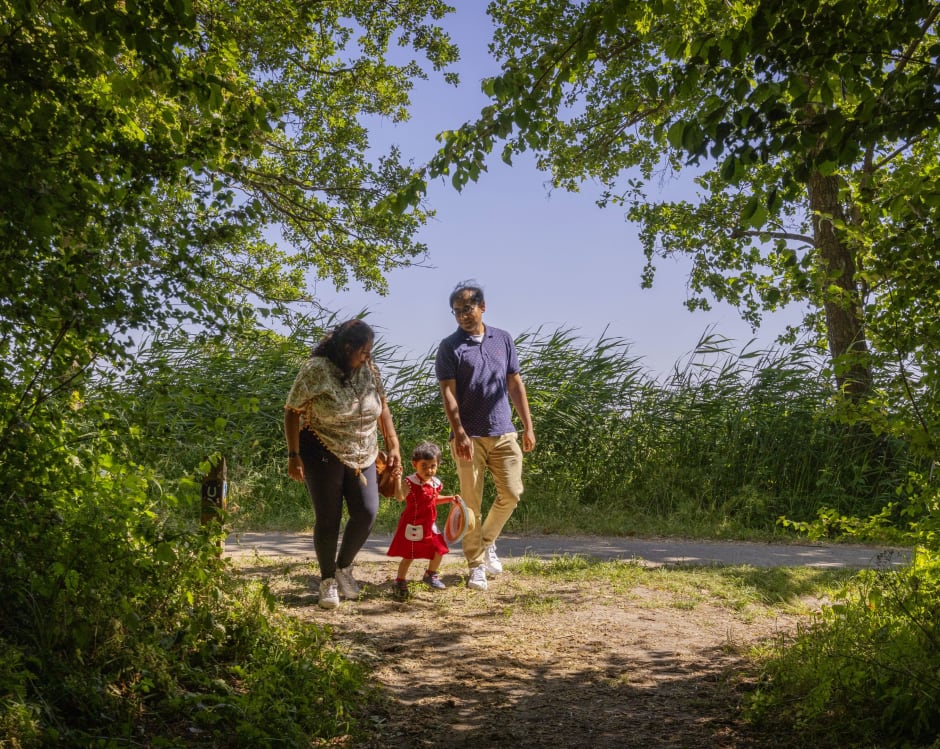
{"x": 426, "y": 451}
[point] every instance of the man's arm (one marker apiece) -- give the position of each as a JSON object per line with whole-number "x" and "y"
{"x": 462, "y": 442}
{"x": 520, "y": 401}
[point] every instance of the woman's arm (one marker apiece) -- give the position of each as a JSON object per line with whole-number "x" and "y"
{"x": 295, "y": 467}
{"x": 387, "y": 427}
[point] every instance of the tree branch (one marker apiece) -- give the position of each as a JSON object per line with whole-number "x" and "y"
{"x": 738, "y": 233}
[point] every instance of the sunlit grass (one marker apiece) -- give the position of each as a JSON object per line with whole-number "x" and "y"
{"x": 737, "y": 587}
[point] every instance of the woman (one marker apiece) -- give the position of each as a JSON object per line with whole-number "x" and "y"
{"x": 333, "y": 412}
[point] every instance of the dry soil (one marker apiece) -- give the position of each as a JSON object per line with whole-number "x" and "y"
{"x": 533, "y": 662}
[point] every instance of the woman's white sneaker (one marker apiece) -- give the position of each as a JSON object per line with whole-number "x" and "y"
{"x": 348, "y": 587}
{"x": 329, "y": 594}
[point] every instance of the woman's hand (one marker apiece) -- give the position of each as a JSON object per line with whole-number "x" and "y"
{"x": 394, "y": 461}
{"x": 390, "y": 438}
{"x": 295, "y": 468}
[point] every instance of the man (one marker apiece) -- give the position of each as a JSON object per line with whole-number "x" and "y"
{"x": 478, "y": 369}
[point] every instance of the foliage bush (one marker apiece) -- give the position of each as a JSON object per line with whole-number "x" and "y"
{"x": 726, "y": 445}
{"x": 867, "y": 671}
{"x": 121, "y": 620}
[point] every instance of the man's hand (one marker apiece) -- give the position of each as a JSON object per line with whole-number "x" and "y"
{"x": 463, "y": 446}
{"x": 528, "y": 440}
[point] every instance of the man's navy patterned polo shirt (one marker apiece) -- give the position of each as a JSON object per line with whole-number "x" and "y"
{"x": 480, "y": 370}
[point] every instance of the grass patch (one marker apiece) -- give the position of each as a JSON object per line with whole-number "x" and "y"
{"x": 737, "y": 587}
{"x": 535, "y": 603}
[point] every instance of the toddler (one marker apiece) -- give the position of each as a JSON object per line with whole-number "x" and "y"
{"x": 417, "y": 536}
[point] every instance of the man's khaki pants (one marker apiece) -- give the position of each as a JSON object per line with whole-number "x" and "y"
{"x": 502, "y": 456}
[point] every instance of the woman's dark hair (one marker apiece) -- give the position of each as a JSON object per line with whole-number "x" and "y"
{"x": 340, "y": 342}
{"x": 476, "y": 292}
{"x": 426, "y": 451}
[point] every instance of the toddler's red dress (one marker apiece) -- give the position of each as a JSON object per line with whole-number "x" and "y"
{"x": 417, "y": 536}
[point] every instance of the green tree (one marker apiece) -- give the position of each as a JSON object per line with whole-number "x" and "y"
{"x": 153, "y": 153}
{"x": 811, "y": 132}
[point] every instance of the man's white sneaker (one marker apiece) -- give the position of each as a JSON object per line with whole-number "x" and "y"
{"x": 491, "y": 561}
{"x": 329, "y": 594}
{"x": 348, "y": 587}
{"x": 477, "y": 579}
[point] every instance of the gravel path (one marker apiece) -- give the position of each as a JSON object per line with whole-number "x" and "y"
{"x": 649, "y": 551}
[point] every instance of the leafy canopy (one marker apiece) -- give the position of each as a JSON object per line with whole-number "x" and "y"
{"x": 152, "y": 152}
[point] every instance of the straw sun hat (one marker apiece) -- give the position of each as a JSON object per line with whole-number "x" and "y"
{"x": 460, "y": 519}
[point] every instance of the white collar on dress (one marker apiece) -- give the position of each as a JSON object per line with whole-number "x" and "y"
{"x": 435, "y": 481}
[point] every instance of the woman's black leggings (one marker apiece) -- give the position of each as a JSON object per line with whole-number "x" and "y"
{"x": 329, "y": 482}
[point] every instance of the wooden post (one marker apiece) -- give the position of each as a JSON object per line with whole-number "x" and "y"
{"x": 214, "y": 491}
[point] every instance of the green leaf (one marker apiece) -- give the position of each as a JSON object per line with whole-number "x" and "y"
{"x": 676, "y": 134}
{"x": 164, "y": 553}
{"x": 729, "y": 168}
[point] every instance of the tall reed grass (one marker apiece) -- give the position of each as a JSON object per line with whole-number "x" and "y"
{"x": 723, "y": 446}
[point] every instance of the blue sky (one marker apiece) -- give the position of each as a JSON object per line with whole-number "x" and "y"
{"x": 545, "y": 258}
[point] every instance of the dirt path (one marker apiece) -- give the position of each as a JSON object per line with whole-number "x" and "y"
{"x": 536, "y": 663}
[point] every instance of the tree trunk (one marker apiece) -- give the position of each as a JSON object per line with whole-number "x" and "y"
{"x": 840, "y": 293}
